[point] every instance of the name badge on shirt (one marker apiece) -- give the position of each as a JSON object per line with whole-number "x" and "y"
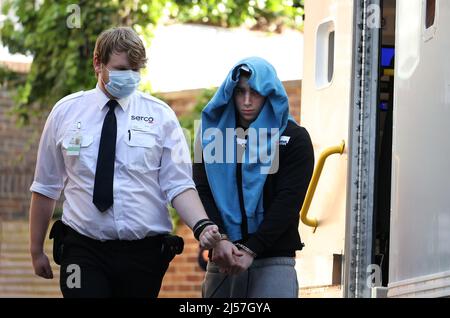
{"x": 74, "y": 146}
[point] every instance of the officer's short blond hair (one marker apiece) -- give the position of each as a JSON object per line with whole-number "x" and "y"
{"x": 118, "y": 40}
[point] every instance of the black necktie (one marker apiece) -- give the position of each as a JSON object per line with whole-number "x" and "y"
{"x": 104, "y": 174}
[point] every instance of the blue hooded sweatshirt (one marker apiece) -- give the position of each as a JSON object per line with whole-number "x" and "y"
{"x": 219, "y": 150}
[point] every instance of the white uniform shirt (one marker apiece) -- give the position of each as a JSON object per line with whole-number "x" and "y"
{"x": 152, "y": 164}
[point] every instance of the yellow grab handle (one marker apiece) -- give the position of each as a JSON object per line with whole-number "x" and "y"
{"x": 313, "y": 184}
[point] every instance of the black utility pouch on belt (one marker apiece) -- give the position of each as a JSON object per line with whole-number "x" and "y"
{"x": 57, "y": 234}
{"x": 171, "y": 245}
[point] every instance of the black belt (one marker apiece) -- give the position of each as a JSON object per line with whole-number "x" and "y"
{"x": 150, "y": 241}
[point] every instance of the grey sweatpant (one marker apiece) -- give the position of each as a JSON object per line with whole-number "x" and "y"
{"x": 273, "y": 277}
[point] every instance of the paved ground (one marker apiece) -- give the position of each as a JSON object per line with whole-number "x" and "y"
{"x": 17, "y": 278}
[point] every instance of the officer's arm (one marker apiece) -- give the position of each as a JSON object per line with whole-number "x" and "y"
{"x": 190, "y": 209}
{"x": 41, "y": 210}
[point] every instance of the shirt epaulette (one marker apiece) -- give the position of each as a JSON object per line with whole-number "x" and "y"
{"x": 154, "y": 99}
{"x": 69, "y": 97}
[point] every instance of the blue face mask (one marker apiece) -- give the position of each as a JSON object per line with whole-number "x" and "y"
{"x": 122, "y": 83}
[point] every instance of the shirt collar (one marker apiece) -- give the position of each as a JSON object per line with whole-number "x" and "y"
{"x": 102, "y": 99}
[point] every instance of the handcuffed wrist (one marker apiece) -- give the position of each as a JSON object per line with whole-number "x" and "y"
{"x": 246, "y": 249}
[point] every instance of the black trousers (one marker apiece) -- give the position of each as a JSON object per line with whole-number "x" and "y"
{"x": 96, "y": 269}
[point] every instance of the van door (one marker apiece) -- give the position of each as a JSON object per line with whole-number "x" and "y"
{"x": 420, "y": 205}
{"x": 325, "y": 113}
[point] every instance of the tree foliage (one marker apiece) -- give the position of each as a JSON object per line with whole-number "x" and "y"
{"x": 187, "y": 121}
{"x": 61, "y": 36}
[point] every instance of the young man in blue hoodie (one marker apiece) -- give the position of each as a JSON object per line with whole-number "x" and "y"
{"x": 253, "y": 184}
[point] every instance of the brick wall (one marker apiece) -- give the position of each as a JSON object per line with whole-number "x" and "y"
{"x": 17, "y": 67}
{"x": 294, "y": 91}
{"x": 184, "y": 277}
{"x": 18, "y": 147}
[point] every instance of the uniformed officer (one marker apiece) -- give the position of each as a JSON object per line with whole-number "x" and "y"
{"x": 121, "y": 157}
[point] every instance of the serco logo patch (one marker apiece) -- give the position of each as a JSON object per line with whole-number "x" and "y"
{"x": 147, "y": 119}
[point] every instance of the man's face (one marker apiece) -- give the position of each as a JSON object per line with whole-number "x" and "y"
{"x": 117, "y": 62}
{"x": 248, "y": 102}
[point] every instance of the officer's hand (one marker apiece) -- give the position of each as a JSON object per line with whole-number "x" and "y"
{"x": 224, "y": 255}
{"x": 42, "y": 266}
{"x": 209, "y": 237}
